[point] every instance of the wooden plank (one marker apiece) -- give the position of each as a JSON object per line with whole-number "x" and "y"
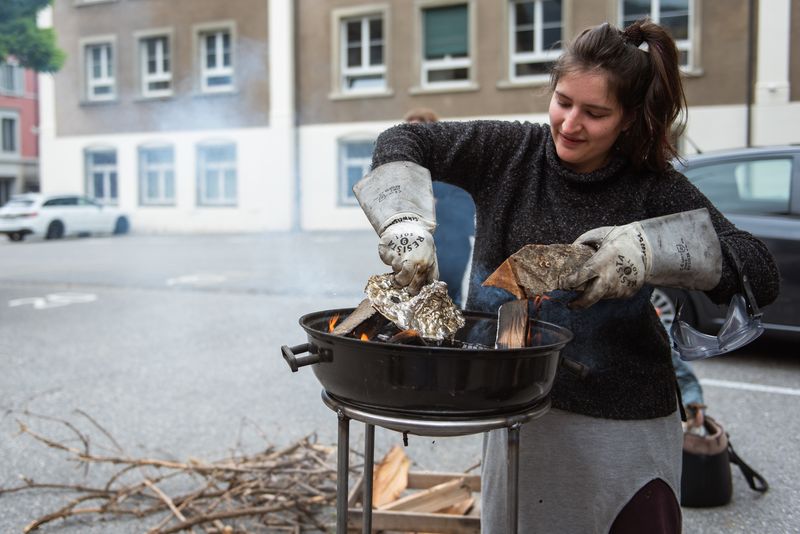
{"x": 512, "y": 325}
{"x": 426, "y": 479}
{"x": 432, "y": 499}
{"x": 355, "y": 492}
{"x": 416, "y": 522}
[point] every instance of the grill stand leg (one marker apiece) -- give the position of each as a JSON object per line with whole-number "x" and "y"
{"x": 369, "y": 462}
{"x": 342, "y": 472}
{"x": 512, "y": 489}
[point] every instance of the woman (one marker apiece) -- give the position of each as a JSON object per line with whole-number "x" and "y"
{"x": 606, "y": 458}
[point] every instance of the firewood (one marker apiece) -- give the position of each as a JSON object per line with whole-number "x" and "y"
{"x": 390, "y": 478}
{"x": 536, "y": 269}
{"x": 363, "y": 312}
{"x": 512, "y": 325}
{"x": 460, "y": 508}
{"x": 407, "y": 337}
{"x": 433, "y": 499}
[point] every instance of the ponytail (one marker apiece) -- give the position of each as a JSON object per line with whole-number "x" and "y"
{"x": 641, "y": 64}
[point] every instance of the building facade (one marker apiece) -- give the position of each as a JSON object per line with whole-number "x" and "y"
{"x": 19, "y": 136}
{"x": 173, "y": 110}
{"x": 197, "y": 115}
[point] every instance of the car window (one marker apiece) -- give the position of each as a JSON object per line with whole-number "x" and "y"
{"x": 759, "y": 187}
{"x": 62, "y": 201}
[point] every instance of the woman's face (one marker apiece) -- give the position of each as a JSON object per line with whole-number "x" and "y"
{"x": 585, "y": 120}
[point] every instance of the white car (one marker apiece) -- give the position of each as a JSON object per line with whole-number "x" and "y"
{"x": 56, "y": 216}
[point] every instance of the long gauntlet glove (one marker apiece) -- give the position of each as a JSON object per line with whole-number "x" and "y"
{"x": 398, "y": 200}
{"x": 678, "y": 250}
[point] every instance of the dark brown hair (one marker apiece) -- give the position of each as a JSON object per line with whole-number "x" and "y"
{"x": 421, "y": 115}
{"x": 641, "y": 65}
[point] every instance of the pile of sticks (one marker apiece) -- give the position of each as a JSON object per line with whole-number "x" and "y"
{"x": 292, "y": 489}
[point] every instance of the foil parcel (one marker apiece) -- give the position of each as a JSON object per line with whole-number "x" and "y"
{"x": 431, "y": 313}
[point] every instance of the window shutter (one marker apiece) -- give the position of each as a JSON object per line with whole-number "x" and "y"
{"x": 446, "y": 32}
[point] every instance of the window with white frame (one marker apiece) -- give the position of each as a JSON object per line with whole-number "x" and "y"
{"x": 446, "y": 60}
{"x": 157, "y": 175}
{"x": 216, "y": 174}
{"x": 100, "y": 72}
{"x": 355, "y": 158}
{"x": 363, "y": 67}
{"x": 9, "y": 133}
{"x": 101, "y": 174}
{"x": 12, "y": 79}
{"x": 156, "y": 66}
{"x": 216, "y": 57}
{"x": 535, "y": 33}
{"x": 674, "y": 15}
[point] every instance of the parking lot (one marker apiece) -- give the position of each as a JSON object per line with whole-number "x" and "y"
{"x": 172, "y": 344}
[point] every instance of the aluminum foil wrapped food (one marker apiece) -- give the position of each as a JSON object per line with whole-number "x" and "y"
{"x": 431, "y": 313}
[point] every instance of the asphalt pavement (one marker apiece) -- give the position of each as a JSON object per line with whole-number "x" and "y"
{"x": 172, "y": 345}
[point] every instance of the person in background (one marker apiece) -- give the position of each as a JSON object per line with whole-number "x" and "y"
{"x": 455, "y": 224}
{"x": 607, "y": 456}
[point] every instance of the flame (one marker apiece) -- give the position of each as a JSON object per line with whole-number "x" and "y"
{"x": 532, "y": 338}
{"x": 332, "y": 322}
{"x": 364, "y": 337}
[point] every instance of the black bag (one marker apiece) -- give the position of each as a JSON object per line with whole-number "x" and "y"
{"x": 706, "y": 476}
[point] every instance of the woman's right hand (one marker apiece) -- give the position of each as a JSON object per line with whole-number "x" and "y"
{"x": 409, "y": 249}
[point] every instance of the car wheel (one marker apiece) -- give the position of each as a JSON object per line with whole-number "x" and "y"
{"x": 16, "y": 236}
{"x": 665, "y": 301}
{"x": 55, "y": 230}
{"x": 121, "y": 226}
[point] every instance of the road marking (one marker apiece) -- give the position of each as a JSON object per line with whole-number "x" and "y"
{"x": 200, "y": 279}
{"x": 53, "y": 300}
{"x": 749, "y": 387}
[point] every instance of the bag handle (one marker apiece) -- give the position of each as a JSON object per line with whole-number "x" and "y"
{"x": 754, "y": 479}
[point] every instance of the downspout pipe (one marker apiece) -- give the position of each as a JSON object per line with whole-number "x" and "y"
{"x": 751, "y": 60}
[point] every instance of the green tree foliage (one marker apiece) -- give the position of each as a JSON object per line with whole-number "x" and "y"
{"x": 34, "y": 48}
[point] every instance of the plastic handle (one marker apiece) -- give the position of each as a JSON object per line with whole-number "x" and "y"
{"x": 290, "y": 354}
{"x": 576, "y": 368}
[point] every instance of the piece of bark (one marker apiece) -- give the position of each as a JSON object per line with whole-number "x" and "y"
{"x": 390, "y": 478}
{"x": 432, "y": 499}
{"x": 512, "y": 325}
{"x": 363, "y": 312}
{"x": 536, "y": 269}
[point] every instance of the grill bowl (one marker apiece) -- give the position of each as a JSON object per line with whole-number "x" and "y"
{"x": 432, "y": 381}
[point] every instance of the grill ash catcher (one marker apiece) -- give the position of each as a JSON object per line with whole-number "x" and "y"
{"x": 495, "y": 372}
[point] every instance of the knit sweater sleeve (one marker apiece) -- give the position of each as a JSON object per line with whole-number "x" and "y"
{"x": 676, "y": 193}
{"x": 462, "y": 153}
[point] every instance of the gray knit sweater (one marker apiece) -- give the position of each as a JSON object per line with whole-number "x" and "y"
{"x": 523, "y": 194}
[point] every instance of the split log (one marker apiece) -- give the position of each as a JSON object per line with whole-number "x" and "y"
{"x": 460, "y": 508}
{"x": 536, "y": 269}
{"x": 432, "y": 499}
{"x": 512, "y": 325}
{"x": 390, "y": 478}
{"x": 363, "y": 312}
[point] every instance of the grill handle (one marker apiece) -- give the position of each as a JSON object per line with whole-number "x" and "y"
{"x": 290, "y": 354}
{"x": 576, "y": 368}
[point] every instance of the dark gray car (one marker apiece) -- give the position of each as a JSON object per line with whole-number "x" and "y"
{"x": 758, "y": 190}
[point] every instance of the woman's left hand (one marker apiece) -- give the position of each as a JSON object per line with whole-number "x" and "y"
{"x": 616, "y": 270}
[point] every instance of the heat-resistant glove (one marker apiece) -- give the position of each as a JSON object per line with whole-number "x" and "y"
{"x": 677, "y": 250}
{"x": 397, "y": 198}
